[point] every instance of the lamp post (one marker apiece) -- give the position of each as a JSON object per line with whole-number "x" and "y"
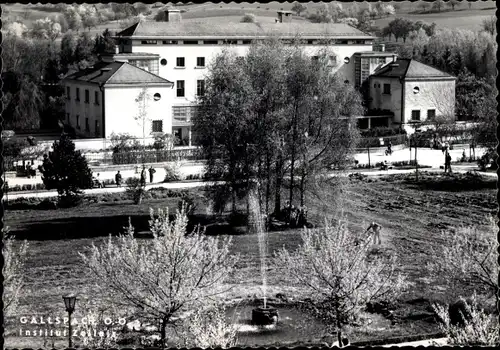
{"x": 69, "y": 302}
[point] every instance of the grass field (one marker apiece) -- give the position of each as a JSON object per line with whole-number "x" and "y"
{"x": 411, "y": 216}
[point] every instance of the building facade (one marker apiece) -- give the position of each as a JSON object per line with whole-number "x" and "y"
{"x": 117, "y": 97}
{"x": 172, "y": 59}
{"x": 413, "y": 92}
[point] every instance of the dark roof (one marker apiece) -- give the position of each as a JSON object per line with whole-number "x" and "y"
{"x": 148, "y": 29}
{"x": 116, "y": 73}
{"x": 375, "y": 53}
{"x": 411, "y": 69}
{"x": 135, "y": 54}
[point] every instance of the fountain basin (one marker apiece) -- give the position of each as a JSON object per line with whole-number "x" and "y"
{"x": 263, "y": 316}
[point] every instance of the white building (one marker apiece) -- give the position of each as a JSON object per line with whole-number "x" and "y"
{"x": 181, "y": 51}
{"x": 172, "y": 58}
{"x": 105, "y": 99}
{"x": 413, "y": 92}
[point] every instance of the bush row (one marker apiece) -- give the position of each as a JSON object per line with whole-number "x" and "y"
{"x": 25, "y": 203}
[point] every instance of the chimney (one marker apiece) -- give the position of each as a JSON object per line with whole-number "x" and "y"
{"x": 173, "y": 15}
{"x": 284, "y": 16}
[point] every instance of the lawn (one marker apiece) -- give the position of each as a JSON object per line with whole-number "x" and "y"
{"x": 410, "y": 214}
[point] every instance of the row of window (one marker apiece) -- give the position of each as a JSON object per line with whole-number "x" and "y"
{"x": 181, "y": 62}
{"x": 415, "y": 114}
{"x": 87, "y": 123}
{"x": 87, "y": 95}
{"x": 156, "y": 126}
{"x": 181, "y": 88}
{"x": 248, "y": 42}
{"x": 387, "y": 89}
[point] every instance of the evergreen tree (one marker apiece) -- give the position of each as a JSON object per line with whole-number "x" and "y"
{"x": 66, "y": 169}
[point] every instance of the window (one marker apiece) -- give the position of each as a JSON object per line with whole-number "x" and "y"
{"x": 246, "y": 42}
{"x": 210, "y": 42}
{"x": 346, "y": 82}
{"x": 381, "y": 60}
{"x": 416, "y": 90}
{"x": 431, "y": 114}
{"x": 180, "y": 88}
{"x": 230, "y": 42}
{"x": 68, "y": 117}
{"x": 149, "y": 42}
{"x": 180, "y": 62}
{"x": 87, "y": 96}
{"x": 87, "y": 125}
{"x": 200, "y": 87}
{"x": 156, "y": 97}
{"x": 77, "y": 121}
{"x": 163, "y": 62}
{"x": 170, "y": 42}
{"x": 415, "y": 115}
{"x": 190, "y": 42}
{"x": 374, "y": 85}
{"x": 183, "y": 113}
{"x": 96, "y": 124}
{"x": 200, "y": 61}
{"x": 96, "y": 97}
{"x": 78, "y": 94}
{"x": 315, "y": 58}
{"x": 157, "y": 126}
{"x": 387, "y": 89}
{"x": 68, "y": 92}
{"x": 347, "y": 60}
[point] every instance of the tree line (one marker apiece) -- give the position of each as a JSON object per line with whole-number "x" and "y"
{"x": 33, "y": 66}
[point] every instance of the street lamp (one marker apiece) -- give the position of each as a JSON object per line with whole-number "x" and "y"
{"x": 69, "y": 302}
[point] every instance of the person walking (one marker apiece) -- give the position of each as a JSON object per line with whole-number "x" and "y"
{"x": 375, "y": 231}
{"x": 118, "y": 179}
{"x": 151, "y": 174}
{"x": 447, "y": 162}
{"x": 143, "y": 176}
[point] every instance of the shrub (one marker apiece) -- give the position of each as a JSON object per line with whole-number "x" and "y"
{"x": 69, "y": 201}
{"x": 172, "y": 172}
{"x": 476, "y": 329}
{"x": 134, "y": 190}
{"x": 47, "y": 204}
{"x": 249, "y": 18}
{"x": 488, "y": 159}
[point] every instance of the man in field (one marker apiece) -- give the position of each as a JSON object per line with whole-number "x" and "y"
{"x": 375, "y": 231}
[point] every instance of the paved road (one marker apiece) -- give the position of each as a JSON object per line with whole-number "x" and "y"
{"x": 195, "y": 184}
{"x": 429, "y": 342}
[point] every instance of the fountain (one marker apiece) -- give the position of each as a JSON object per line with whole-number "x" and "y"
{"x": 264, "y": 315}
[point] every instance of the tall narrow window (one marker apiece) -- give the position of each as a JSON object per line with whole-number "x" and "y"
{"x": 78, "y": 94}
{"x": 200, "y": 61}
{"x": 180, "y": 62}
{"x": 87, "y": 125}
{"x": 415, "y": 115}
{"x": 96, "y": 97}
{"x": 157, "y": 126}
{"x": 96, "y": 125}
{"x": 77, "y": 121}
{"x": 68, "y": 92}
{"x": 431, "y": 114}
{"x": 87, "y": 96}
{"x": 200, "y": 87}
{"x": 180, "y": 88}
{"x": 387, "y": 89}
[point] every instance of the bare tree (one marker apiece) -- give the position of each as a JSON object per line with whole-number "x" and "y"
{"x": 489, "y": 25}
{"x": 13, "y": 272}
{"x": 338, "y": 273}
{"x": 453, "y": 3}
{"x": 468, "y": 255}
{"x": 165, "y": 277}
{"x": 141, "y": 118}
